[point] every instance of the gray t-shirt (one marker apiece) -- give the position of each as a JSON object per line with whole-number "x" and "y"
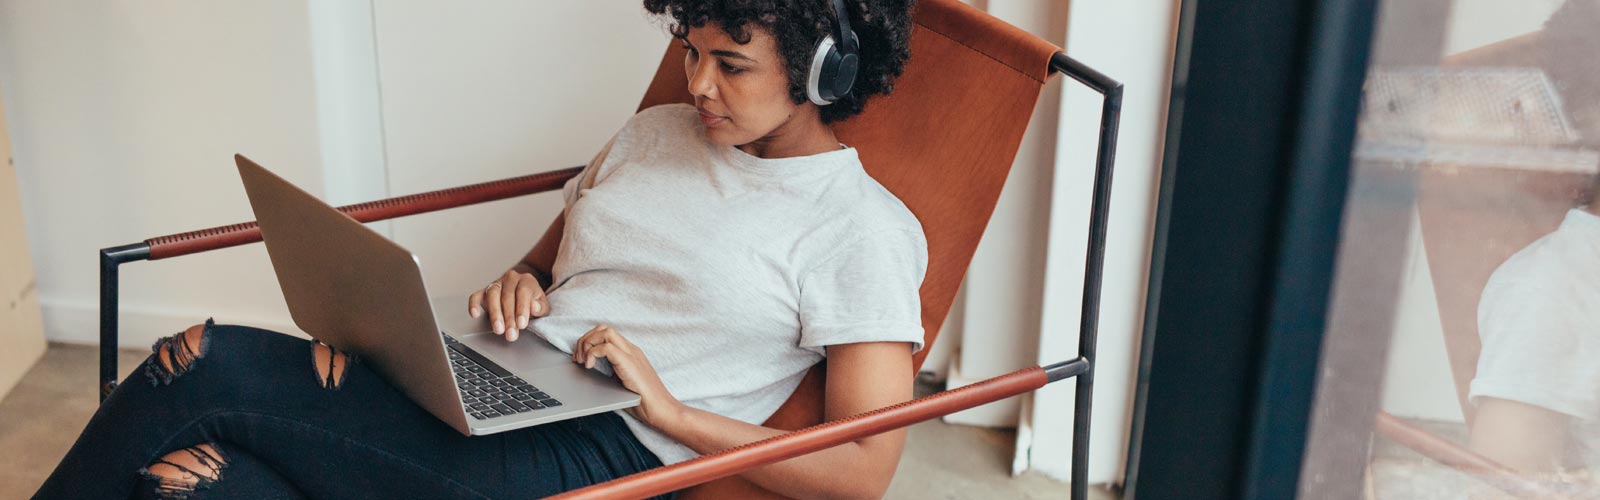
{"x": 729, "y": 271}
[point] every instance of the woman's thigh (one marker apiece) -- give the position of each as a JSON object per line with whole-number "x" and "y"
{"x": 348, "y": 434}
{"x": 234, "y": 473}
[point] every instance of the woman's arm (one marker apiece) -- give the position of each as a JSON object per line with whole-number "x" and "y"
{"x": 542, "y": 257}
{"x": 861, "y": 377}
{"x": 1518, "y": 435}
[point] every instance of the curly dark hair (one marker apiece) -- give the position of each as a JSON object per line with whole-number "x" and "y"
{"x": 882, "y": 26}
{"x": 1569, "y": 44}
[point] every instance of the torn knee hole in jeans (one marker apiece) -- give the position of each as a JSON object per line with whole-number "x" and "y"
{"x": 329, "y": 363}
{"x": 173, "y": 355}
{"x": 181, "y": 473}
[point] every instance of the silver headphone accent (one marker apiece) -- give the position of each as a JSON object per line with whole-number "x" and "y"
{"x": 814, "y": 77}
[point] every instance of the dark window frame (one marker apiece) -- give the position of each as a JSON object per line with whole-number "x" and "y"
{"x": 1259, "y": 136}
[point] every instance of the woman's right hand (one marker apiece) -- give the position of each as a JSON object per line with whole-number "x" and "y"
{"x": 510, "y": 300}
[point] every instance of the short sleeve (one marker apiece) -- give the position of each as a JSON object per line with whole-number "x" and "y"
{"x": 639, "y": 133}
{"x": 1539, "y": 344}
{"x": 586, "y": 177}
{"x": 866, "y": 291}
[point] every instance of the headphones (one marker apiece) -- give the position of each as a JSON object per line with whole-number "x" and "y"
{"x": 833, "y": 68}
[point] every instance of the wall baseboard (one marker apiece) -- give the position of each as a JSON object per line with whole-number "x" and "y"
{"x": 139, "y": 327}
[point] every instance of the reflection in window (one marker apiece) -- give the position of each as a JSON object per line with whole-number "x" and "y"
{"x": 1491, "y": 388}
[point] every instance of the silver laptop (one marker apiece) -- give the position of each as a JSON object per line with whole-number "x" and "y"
{"x": 353, "y": 289}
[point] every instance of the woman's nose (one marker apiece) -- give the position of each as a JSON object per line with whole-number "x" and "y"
{"x": 700, "y": 84}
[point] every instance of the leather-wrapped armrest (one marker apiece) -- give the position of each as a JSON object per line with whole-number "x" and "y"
{"x": 174, "y": 245}
{"x": 777, "y": 448}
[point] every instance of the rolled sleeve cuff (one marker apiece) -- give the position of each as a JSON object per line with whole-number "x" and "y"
{"x": 1583, "y": 408}
{"x": 817, "y": 339}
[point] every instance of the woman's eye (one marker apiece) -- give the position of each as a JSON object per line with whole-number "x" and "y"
{"x": 690, "y": 49}
{"x": 731, "y": 69}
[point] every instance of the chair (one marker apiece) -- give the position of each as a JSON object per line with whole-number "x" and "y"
{"x": 943, "y": 142}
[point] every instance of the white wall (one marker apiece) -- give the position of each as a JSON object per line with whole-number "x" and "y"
{"x": 1002, "y": 292}
{"x": 1417, "y": 381}
{"x": 1131, "y": 42}
{"x": 502, "y": 89}
{"x": 349, "y": 103}
{"x": 1026, "y": 316}
{"x": 1475, "y": 23}
{"x": 125, "y": 117}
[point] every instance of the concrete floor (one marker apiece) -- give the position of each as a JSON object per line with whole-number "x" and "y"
{"x": 42, "y": 416}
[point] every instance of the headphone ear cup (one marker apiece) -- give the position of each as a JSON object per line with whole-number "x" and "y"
{"x": 833, "y": 71}
{"x": 821, "y": 81}
{"x": 845, "y": 76}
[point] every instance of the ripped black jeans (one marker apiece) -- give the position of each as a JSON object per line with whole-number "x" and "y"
{"x": 253, "y": 413}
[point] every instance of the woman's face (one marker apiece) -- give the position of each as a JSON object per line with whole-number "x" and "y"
{"x": 742, "y": 90}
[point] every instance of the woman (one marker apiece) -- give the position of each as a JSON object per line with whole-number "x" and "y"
{"x": 711, "y": 253}
{"x": 1536, "y": 390}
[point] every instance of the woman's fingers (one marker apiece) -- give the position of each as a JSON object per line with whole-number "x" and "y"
{"x": 491, "y": 299}
{"x": 525, "y": 300}
{"x": 528, "y": 297}
{"x": 541, "y": 303}
{"x": 508, "y": 301}
{"x": 595, "y": 337}
{"x": 588, "y": 359}
{"x": 583, "y": 344}
{"x": 608, "y": 351}
{"x": 612, "y": 337}
{"x": 599, "y": 336}
{"x": 619, "y": 354}
{"x": 475, "y": 304}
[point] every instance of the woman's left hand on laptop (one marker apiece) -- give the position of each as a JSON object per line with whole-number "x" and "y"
{"x": 656, "y": 405}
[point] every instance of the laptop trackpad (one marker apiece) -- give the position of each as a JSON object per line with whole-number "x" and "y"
{"x": 527, "y": 353}
{"x": 530, "y": 351}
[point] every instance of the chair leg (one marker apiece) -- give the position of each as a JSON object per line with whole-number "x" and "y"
{"x": 1080, "y": 434}
{"x": 1099, "y": 220}
{"x": 110, "y": 259}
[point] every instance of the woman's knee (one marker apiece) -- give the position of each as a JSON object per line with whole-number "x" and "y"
{"x": 329, "y": 364}
{"x": 175, "y": 355}
{"x": 183, "y": 473}
{"x": 216, "y": 469}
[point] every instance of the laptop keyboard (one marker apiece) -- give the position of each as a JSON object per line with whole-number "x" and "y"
{"x": 489, "y": 391}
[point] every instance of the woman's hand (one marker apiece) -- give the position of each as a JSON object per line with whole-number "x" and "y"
{"x": 510, "y": 300}
{"x": 656, "y": 407}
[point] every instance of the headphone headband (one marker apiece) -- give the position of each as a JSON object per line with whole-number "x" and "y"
{"x": 847, "y": 42}
{"x": 834, "y": 65}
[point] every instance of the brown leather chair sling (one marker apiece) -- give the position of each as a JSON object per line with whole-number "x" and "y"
{"x": 943, "y": 142}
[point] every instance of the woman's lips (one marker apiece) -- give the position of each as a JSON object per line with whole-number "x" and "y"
{"x": 710, "y": 119}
